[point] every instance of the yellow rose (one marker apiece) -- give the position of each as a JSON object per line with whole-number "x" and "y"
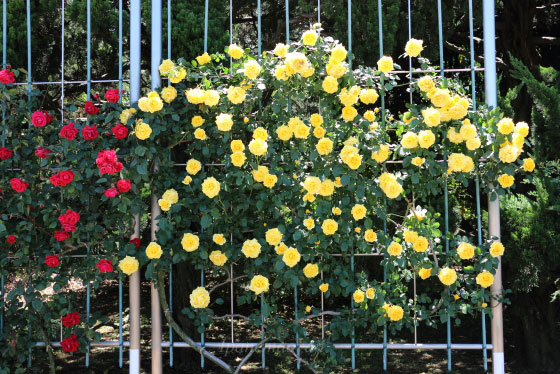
{"x": 413, "y": 47}
{"x": 270, "y": 180}
{"x": 309, "y": 223}
{"x": 420, "y": 244}
{"x": 425, "y": 273}
{"x": 457, "y": 111}
{"x": 237, "y": 146}
{"x": 329, "y": 226}
{"x": 338, "y": 54}
{"x": 200, "y": 134}
{"x": 251, "y": 248}
{"x": 468, "y": 131}
{"x": 169, "y": 94}
{"x": 301, "y": 131}
{"x": 522, "y": 128}
{"x": 219, "y": 239}
{"x": 280, "y": 73}
{"x": 224, "y": 122}
{"x": 280, "y": 50}
{"x": 235, "y": 51}
{"x": 193, "y": 166}
{"x": 485, "y": 279}
{"x": 218, "y": 258}
{"x": 324, "y": 146}
{"x": 394, "y": 249}
{"x": 336, "y": 211}
{"x": 177, "y": 75}
{"x": 199, "y": 298}
{"x": 349, "y": 113}
{"x": 260, "y": 173}
{"x": 370, "y": 236}
{"x": 171, "y": 195}
{"x": 260, "y": 133}
{"x": 388, "y": 183}
{"x": 296, "y": 62}
{"x": 238, "y": 158}
{"x": 505, "y": 126}
{"x": 385, "y": 64}
{"x": 319, "y": 132}
{"x": 418, "y": 161}
{"x": 465, "y": 251}
{"x": 458, "y": 162}
{"x": 370, "y": 293}
{"x": 236, "y": 95}
{"x": 327, "y": 188}
{"x": 432, "y": 117}
{"x": 312, "y": 184}
{"x": 395, "y": 313}
{"x": 126, "y": 114}
{"x": 142, "y": 130}
{"x": 330, "y": 85}
{"x": 324, "y": 287}
{"x": 369, "y": 115}
{"x": 368, "y": 96}
{"x": 203, "y": 59}
{"x": 410, "y": 236}
{"x": 440, "y": 97}
{"x": 409, "y": 140}
{"x": 211, "y": 187}
{"x": 426, "y": 138}
{"x": 164, "y": 204}
{"x": 187, "y": 180}
{"x": 252, "y": 69}
{"x": 281, "y": 248}
{"x": 154, "y": 103}
{"x": 166, "y": 66}
{"x": 259, "y": 284}
{"x": 190, "y": 242}
{"x": 473, "y": 144}
{"x": 291, "y": 257}
{"x": 284, "y": 132}
{"x": 354, "y": 161}
{"x": 309, "y": 37}
{"x": 273, "y": 236}
{"x": 258, "y": 147}
{"x": 454, "y": 136}
{"x": 506, "y": 180}
{"x": 509, "y": 153}
{"x": 197, "y": 121}
{"x": 528, "y": 164}
{"x": 129, "y": 265}
{"x": 349, "y": 97}
{"x": 153, "y": 251}
{"x": 447, "y": 276}
{"x": 358, "y": 296}
{"x": 316, "y": 120}
{"x": 336, "y": 70}
{"x": 195, "y": 96}
{"x": 358, "y": 212}
{"x": 311, "y": 270}
{"x": 426, "y": 84}
{"x": 382, "y": 154}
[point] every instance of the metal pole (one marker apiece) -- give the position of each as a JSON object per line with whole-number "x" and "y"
{"x": 134, "y": 280}
{"x": 490, "y": 87}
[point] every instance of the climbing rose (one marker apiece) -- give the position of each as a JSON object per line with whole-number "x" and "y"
{"x": 62, "y": 178}
{"x": 52, "y": 261}
{"x": 124, "y": 185}
{"x": 5, "y": 153}
{"x": 70, "y": 344}
{"x": 11, "y": 239}
{"x": 135, "y": 241}
{"x": 69, "y": 220}
{"x": 90, "y": 108}
{"x": 120, "y": 131}
{"x": 112, "y": 95}
{"x": 7, "y": 77}
{"x": 42, "y": 152}
{"x": 18, "y": 185}
{"x": 39, "y": 119}
{"x": 107, "y": 162}
{"x": 61, "y": 235}
{"x": 111, "y": 192}
{"x": 70, "y": 319}
{"x": 90, "y": 132}
{"x": 105, "y": 266}
{"x": 68, "y": 131}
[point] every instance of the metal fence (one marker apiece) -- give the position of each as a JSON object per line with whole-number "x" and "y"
{"x": 134, "y": 281}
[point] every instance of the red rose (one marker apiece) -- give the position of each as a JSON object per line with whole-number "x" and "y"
{"x": 5, "y": 153}
{"x": 96, "y": 96}
{"x": 135, "y": 241}
{"x": 7, "y": 77}
{"x": 107, "y": 162}
{"x": 42, "y": 152}
{"x": 112, "y": 95}
{"x": 18, "y": 185}
{"x": 70, "y": 319}
{"x": 11, "y": 239}
{"x": 69, "y": 220}
{"x": 105, "y": 266}
{"x": 49, "y": 117}
{"x": 70, "y": 344}
{"x": 61, "y": 235}
{"x": 124, "y": 185}
{"x": 52, "y": 261}
{"x": 111, "y": 192}
{"x": 39, "y": 119}
{"x": 120, "y": 131}
{"x": 62, "y": 178}
{"x": 90, "y": 132}
{"x": 68, "y": 131}
{"x": 90, "y": 108}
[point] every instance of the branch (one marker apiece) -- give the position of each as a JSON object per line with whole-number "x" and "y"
{"x": 231, "y": 315}
{"x": 298, "y": 358}
{"x": 48, "y": 348}
{"x": 226, "y": 282}
{"x": 325, "y": 313}
{"x": 248, "y": 356}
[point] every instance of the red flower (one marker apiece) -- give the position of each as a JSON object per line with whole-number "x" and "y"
{"x": 105, "y": 266}
{"x": 107, "y": 162}
{"x": 124, "y": 185}
{"x": 120, "y": 131}
{"x": 42, "y": 152}
{"x": 90, "y": 132}
{"x": 5, "y": 153}
{"x": 112, "y": 95}
{"x": 39, "y": 119}
{"x": 61, "y": 235}
{"x": 18, "y": 185}
{"x": 49, "y": 117}
{"x": 90, "y": 108}
{"x": 70, "y": 344}
{"x": 68, "y": 131}
{"x": 11, "y": 239}
{"x": 62, "y": 178}
{"x": 69, "y": 220}
{"x": 70, "y": 319}
{"x": 111, "y": 192}
{"x": 7, "y": 77}
{"x": 52, "y": 261}
{"x": 135, "y": 241}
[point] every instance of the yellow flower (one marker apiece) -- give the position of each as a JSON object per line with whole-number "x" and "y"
{"x": 301, "y": 131}
{"x": 309, "y": 37}
{"x": 252, "y": 69}
{"x": 307, "y": 309}
{"x": 193, "y": 166}
{"x": 426, "y": 84}
{"x": 484, "y": 305}
{"x": 338, "y": 54}
{"x": 506, "y": 180}
{"x": 166, "y": 66}
{"x": 311, "y": 270}
{"x": 316, "y": 120}
{"x": 129, "y": 265}
{"x": 458, "y": 162}
{"x": 152, "y": 103}
{"x": 284, "y": 133}
{"x": 358, "y": 212}
{"x": 426, "y": 138}
{"x": 368, "y": 96}
{"x": 454, "y": 136}
{"x": 370, "y": 236}
{"x": 337, "y": 182}
{"x": 142, "y": 130}
{"x": 522, "y": 128}
{"x": 219, "y": 239}
{"x": 369, "y": 115}
{"x": 413, "y": 47}
{"x": 385, "y": 64}
{"x": 280, "y": 73}
{"x": 421, "y": 244}
{"x": 425, "y": 273}
{"x": 312, "y": 184}
{"x": 211, "y": 187}
{"x": 319, "y": 132}
{"x": 195, "y": 96}
{"x": 190, "y": 242}
{"x": 270, "y": 180}
{"x": 259, "y": 284}
{"x": 432, "y": 117}
{"x": 496, "y": 249}
{"x": 224, "y": 122}
{"x": 410, "y": 236}
{"x": 245, "y": 120}
{"x": 260, "y": 173}
{"x": 309, "y": 223}
{"x": 349, "y": 97}
{"x": 473, "y": 144}
{"x": 358, "y": 230}
{"x": 280, "y": 50}
{"x": 203, "y": 59}
{"x": 528, "y": 164}
{"x": 126, "y": 114}
{"x": 386, "y": 307}
{"x": 296, "y": 62}
{"x": 409, "y": 140}
{"x": 395, "y": 313}
{"x": 281, "y": 248}
{"x": 291, "y": 257}
{"x": 273, "y": 236}
{"x": 468, "y": 131}
{"x": 153, "y": 251}
{"x": 187, "y": 180}
{"x": 329, "y": 226}
{"x": 197, "y": 121}
{"x": 394, "y": 249}
{"x": 324, "y": 287}
{"x": 235, "y": 51}
{"x": 199, "y": 298}
{"x": 238, "y": 158}
{"x": 330, "y": 85}
{"x": 465, "y": 251}
{"x": 485, "y": 279}
{"x": 418, "y": 161}
{"x": 382, "y": 154}
{"x": 447, "y": 276}
{"x": 388, "y": 183}
{"x": 359, "y": 296}
{"x": 349, "y": 113}
{"x": 237, "y": 146}
{"x": 336, "y": 211}
{"x": 218, "y": 258}
{"x": 171, "y": 195}
{"x": 251, "y": 248}
{"x": 169, "y": 94}
{"x": 327, "y": 188}
{"x": 506, "y": 126}
{"x": 236, "y": 95}
{"x": 440, "y": 97}
{"x": 509, "y": 153}
{"x": 260, "y": 133}
{"x": 164, "y": 204}
{"x": 258, "y": 147}
{"x": 177, "y": 75}
{"x": 370, "y": 293}
{"x": 336, "y": 70}
{"x": 200, "y": 134}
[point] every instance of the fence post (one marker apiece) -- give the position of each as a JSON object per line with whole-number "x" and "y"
{"x": 134, "y": 285}
{"x": 490, "y": 86}
{"x": 155, "y": 209}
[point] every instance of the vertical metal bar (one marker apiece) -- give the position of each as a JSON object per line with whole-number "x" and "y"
{"x": 171, "y": 310}
{"x": 28, "y": 10}
{"x": 202, "y": 333}
{"x": 440, "y": 33}
{"x": 259, "y": 27}
{"x": 322, "y": 310}
{"x": 120, "y": 53}
{"x": 231, "y": 299}
{"x": 352, "y": 308}
{"x": 169, "y": 29}
{"x": 287, "y": 21}
{"x": 263, "y": 356}
{"x": 297, "y": 333}
{"x": 479, "y": 232}
{"x": 318, "y": 11}
{"x": 88, "y": 16}
{"x": 471, "y": 39}
{"x": 350, "y": 57}
{"x": 88, "y": 296}
{"x": 206, "y": 26}
{"x": 4, "y": 33}
{"x": 410, "y": 69}
{"x": 1, "y": 303}
{"x": 230, "y": 31}
{"x": 120, "y": 322}
{"x": 62, "y": 63}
